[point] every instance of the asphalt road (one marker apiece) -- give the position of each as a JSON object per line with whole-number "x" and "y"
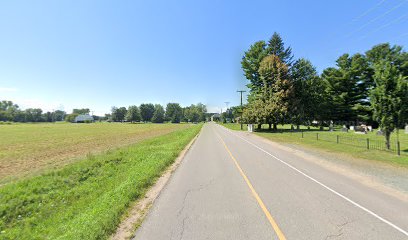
{"x": 234, "y": 185}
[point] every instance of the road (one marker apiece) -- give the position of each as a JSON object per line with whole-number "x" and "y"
{"x": 234, "y": 185}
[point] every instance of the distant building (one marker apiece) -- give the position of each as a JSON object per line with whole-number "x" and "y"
{"x": 83, "y": 118}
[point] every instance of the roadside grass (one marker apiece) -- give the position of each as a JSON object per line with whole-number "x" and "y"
{"x": 327, "y": 142}
{"x": 86, "y": 199}
{"x": 28, "y": 149}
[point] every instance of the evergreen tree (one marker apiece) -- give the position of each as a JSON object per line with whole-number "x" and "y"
{"x": 303, "y": 77}
{"x": 277, "y": 47}
{"x": 348, "y": 86}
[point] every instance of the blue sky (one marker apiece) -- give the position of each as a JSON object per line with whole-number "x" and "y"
{"x": 98, "y": 54}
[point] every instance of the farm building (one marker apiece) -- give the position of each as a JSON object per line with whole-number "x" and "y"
{"x": 83, "y": 118}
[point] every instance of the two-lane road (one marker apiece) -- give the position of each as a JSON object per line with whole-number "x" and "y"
{"x": 232, "y": 185}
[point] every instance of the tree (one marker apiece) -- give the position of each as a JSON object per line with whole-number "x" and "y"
{"x": 33, "y": 115}
{"x": 174, "y": 112}
{"x": 71, "y": 117}
{"x": 118, "y": 114}
{"x": 59, "y": 115}
{"x": 277, "y": 47}
{"x": 147, "y": 111}
{"x": 250, "y": 64}
{"x": 81, "y": 111}
{"x": 277, "y": 89}
{"x": 158, "y": 115}
{"x": 389, "y": 97}
{"x": 348, "y": 87}
{"x": 302, "y": 75}
{"x": 195, "y": 113}
{"x": 8, "y": 110}
{"x": 133, "y": 114}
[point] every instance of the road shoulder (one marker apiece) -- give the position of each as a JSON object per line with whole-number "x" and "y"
{"x": 136, "y": 214}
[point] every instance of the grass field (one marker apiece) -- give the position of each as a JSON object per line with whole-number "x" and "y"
{"x": 86, "y": 199}
{"x": 327, "y": 142}
{"x": 30, "y": 149}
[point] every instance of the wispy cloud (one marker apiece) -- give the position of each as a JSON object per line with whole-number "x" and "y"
{"x": 8, "y": 89}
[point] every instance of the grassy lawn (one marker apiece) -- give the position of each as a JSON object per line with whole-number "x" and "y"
{"x": 86, "y": 199}
{"x": 351, "y": 144}
{"x": 29, "y": 149}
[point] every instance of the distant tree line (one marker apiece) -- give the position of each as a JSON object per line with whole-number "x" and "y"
{"x": 369, "y": 88}
{"x": 11, "y": 112}
{"x": 148, "y": 112}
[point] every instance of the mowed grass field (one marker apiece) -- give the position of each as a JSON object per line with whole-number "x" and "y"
{"x": 87, "y": 198}
{"x": 29, "y": 149}
{"x": 351, "y": 144}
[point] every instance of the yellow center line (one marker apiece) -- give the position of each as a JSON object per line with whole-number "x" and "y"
{"x": 255, "y": 194}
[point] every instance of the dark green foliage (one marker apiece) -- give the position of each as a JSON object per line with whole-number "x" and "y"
{"x": 159, "y": 114}
{"x": 147, "y": 111}
{"x": 71, "y": 117}
{"x": 195, "y": 113}
{"x": 389, "y": 98}
{"x": 174, "y": 112}
{"x": 86, "y": 200}
{"x": 133, "y": 114}
{"x": 11, "y": 112}
{"x": 81, "y": 111}
{"x": 277, "y": 47}
{"x": 348, "y": 86}
{"x": 118, "y": 114}
{"x": 250, "y": 64}
{"x": 306, "y": 101}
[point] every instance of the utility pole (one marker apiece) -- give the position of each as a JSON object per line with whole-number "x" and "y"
{"x": 241, "y": 91}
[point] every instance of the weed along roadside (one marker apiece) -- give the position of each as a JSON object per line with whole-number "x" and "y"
{"x": 86, "y": 200}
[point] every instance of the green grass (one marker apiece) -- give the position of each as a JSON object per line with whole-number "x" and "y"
{"x": 86, "y": 199}
{"x": 327, "y": 142}
{"x": 30, "y": 149}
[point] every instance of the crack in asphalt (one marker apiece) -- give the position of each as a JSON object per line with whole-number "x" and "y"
{"x": 179, "y": 212}
{"x": 340, "y": 230}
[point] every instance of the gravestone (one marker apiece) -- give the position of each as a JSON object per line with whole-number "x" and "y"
{"x": 352, "y": 128}
{"x": 370, "y": 128}
{"x": 250, "y": 128}
{"x": 344, "y": 128}
{"x": 380, "y": 133}
{"x": 406, "y": 129}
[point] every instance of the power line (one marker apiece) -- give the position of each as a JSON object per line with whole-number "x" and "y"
{"x": 376, "y": 18}
{"x": 386, "y": 25}
{"x": 368, "y": 11}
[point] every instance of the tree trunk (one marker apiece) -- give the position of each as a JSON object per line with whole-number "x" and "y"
{"x": 387, "y": 139}
{"x": 298, "y": 127}
{"x": 270, "y": 126}
{"x": 275, "y": 127}
{"x": 259, "y": 126}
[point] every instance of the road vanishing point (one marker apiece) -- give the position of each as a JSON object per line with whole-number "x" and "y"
{"x": 236, "y": 185}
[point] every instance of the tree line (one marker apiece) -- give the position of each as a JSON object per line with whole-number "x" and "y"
{"x": 370, "y": 88}
{"x": 11, "y": 112}
{"x": 148, "y": 112}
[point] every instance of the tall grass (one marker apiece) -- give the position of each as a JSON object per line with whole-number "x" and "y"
{"x": 86, "y": 200}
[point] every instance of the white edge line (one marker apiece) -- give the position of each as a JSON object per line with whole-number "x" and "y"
{"x": 326, "y": 187}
